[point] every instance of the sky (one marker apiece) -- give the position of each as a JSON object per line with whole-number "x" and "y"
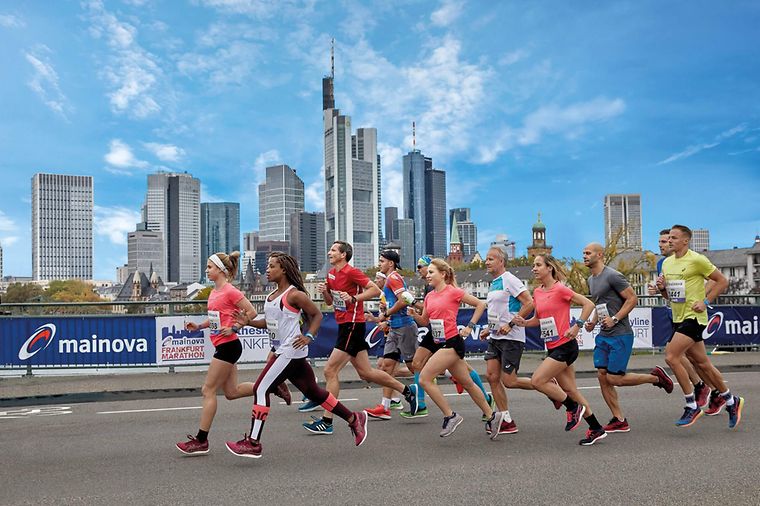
{"x": 528, "y": 106}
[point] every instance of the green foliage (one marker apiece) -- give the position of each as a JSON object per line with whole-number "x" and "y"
{"x": 204, "y": 293}
{"x": 72, "y": 290}
{"x": 23, "y": 292}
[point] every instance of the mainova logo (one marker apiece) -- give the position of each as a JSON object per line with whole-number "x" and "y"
{"x": 713, "y": 325}
{"x": 38, "y": 341}
{"x": 736, "y": 327}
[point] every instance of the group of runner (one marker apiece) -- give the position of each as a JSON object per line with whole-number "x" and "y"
{"x": 288, "y": 311}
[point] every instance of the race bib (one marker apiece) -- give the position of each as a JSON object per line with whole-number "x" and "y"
{"x": 214, "y": 321}
{"x": 549, "y": 332}
{"x": 676, "y": 290}
{"x": 602, "y": 312}
{"x": 438, "y": 334}
{"x": 274, "y": 338}
{"x": 338, "y": 303}
{"x": 493, "y": 323}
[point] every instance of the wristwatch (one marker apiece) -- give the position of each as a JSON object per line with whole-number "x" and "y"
{"x": 615, "y": 319}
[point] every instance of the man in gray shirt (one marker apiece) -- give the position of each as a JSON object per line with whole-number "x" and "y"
{"x": 614, "y": 299}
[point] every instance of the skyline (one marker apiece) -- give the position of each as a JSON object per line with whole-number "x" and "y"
{"x": 654, "y": 99}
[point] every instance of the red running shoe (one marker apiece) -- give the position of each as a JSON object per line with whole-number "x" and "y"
{"x": 663, "y": 380}
{"x": 574, "y": 417}
{"x": 193, "y": 447}
{"x": 616, "y": 425}
{"x": 246, "y": 447}
{"x": 283, "y": 392}
{"x": 460, "y": 388}
{"x": 379, "y": 412}
{"x": 592, "y": 436}
{"x": 701, "y": 394}
{"x": 717, "y": 402}
{"x": 359, "y": 427}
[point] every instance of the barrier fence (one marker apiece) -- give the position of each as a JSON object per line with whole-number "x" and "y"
{"x": 157, "y": 340}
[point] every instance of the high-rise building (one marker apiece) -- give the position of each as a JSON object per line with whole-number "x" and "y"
{"x": 435, "y": 212}
{"x": 391, "y": 214}
{"x": 220, "y": 229}
{"x": 622, "y": 220}
{"x": 352, "y": 211}
{"x": 307, "y": 240}
{"x": 249, "y": 240}
{"x": 266, "y": 248}
{"x": 172, "y": 207}
{"x": 455, "y": 245}
{"x": 1, "y": 261}
{"x": 280, "y": 195}
{"x": 700, "y": 239}
{"x": 506, "y": 245}
{"x": 403, "y": 233}
{"x": 460, "y": 213}
{"x": 62, "y": 226}
{"x": 425, "y": 203}
{"x": 145, "y": 251}
{"x": 468, "y": 231}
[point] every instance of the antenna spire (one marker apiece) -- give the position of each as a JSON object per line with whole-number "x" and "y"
{"x": 414, "y": 135}
{"x": 332, "y": 58}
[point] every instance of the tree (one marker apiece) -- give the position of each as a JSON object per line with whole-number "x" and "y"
{"x": 204, "y": 293}
{"x": 72, "y": 290}
{"x": 22, "y": 292}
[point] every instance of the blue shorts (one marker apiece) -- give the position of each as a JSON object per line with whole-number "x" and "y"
{"x": 613, "y": 352}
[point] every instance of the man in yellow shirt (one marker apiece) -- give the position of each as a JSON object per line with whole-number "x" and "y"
{"x": 683, "y": 282}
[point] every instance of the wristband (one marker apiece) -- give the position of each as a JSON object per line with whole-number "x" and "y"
{"x": 310, "y": 336}
{"x": 580, "y": 322}
{"x": 353, "y": 299}
{"x": 235, "y": 329}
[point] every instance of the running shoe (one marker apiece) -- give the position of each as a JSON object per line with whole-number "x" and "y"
{"x": 379, "y": 412}
{"x": 457, "y": 385}
{"x": 359, "y": 427}
{"x": 283, "y": 392}
{"x": 663, "y": 380}
{"x": 193, "y": 447}
{"x": 592, "y": 436}
{"x": 702, "y": 395}
{"x": 689, "y": 416}
{"x": 492, "y": 403}
{"x": 716, "y": 404}
{"x": 421, "y": 413}
{"x": 616, "y": 425}
{"x": 308, "y": 406}
{"x": 574, "y": 417}
{"x": 246, "y": 447}
{"x": 735, "y": 412}
{"x": 396, "y": 405}
{"x": 493, "y": 424}
{"x": 450, "y": 424}
{"x": 318, "y": 426}
{"x": 557, "y": 404}
{"x": 411, "y": 398}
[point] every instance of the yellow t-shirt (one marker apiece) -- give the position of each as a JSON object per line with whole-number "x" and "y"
{"x": 685, "y": 280}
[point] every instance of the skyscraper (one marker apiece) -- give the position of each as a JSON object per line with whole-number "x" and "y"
{"x": 145, "y": 251}
{"x": 506, "y": 245}
{"x": 220, "y": 229}
{"x": 403, "y": 231}
{"x": 391, "y": 214}
{"x": 307, "y": 240}
{"x": 700, "y": 239}
{"x": 468, "y": 231}
{"x": 172, "y": 207}
{"x": 435, "y": 212}
{"x": 415, "y": 166}
{"x": 280, "y": 195}
{"x": 249, "y": 240}
{"x": 352, "y": 211}
{"x": 62, "y": 226}
{"x": 622, "y": 220}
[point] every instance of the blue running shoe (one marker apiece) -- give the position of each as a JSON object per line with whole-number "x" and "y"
{"x": 735, "y": 412}
{"x": 689, "y": 416}
{"x": 411, "y": 398}
{"x": 308, "y": 406}
{"x": 318, "y": 426}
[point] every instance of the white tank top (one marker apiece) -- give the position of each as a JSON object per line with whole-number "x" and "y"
{"x": 283, "y": 325}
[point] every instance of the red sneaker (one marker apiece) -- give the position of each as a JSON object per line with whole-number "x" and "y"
{"x": 716, "y": 403}
{"x": 379, "y": 412}
{"x": 616, "y": 425}
{"x": 663, "y": 380}
{"x": 508, "y": 427}
{"x": 460, "y": 388}
{"x": 701, "y": 395}
{"x": 193, "y": 447}
{"x": 283, "y": 392}
{"x": 359, "y": 427}
{"x": 246, "y": 447}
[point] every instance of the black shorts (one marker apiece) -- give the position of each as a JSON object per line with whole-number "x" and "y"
{"x": 229, "y": 351}
{"x": 567, "y": 353}
{"x": 507, "y": 351}
{"x": 454, "y": 343}
{"x": 690, "y": 327}
{"x": 428, "y": 343}
{"x": 351, "y": 338}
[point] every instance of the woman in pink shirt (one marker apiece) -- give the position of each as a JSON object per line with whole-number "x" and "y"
{"x": 552, "y": 301}
{"x": 440, "y": 313}
{"x": 223, "y": 303}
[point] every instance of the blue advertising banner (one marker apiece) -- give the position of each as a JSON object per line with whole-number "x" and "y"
{"x": 78, "y": 341}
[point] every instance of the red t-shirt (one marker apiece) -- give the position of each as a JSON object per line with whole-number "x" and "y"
{"x": 352, "y": 281}
{"x": 444, "y": 305}
{"x": 222, "y": 304}
{"x": 554, "y": 302}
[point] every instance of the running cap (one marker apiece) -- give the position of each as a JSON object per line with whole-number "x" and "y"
{"x": 391, "y": 255}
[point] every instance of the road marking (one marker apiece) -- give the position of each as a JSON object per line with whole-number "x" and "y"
{"x": 27, "y": 412}
{"x": 146, "y": 410}
{"x": 304, "y": 402}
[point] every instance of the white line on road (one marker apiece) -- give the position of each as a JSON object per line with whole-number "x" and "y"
{"x": 146, "y": 410}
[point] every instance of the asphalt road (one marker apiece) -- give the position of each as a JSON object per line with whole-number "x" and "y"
{"x": 96, "y": 453}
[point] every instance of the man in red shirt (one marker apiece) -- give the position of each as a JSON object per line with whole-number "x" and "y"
{"x": 346, "y": 289}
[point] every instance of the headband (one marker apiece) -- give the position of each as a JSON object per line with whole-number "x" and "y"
{"x": 218, "y": 262}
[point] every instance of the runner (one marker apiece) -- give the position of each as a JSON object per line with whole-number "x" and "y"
{"x": 282, "y": 310}
{"x": 400, "y": 329}
{"x": 346, "y": 289}
{"x": 552, "y": 302}
{"x": 683, "y": 283}
{"x": 440, "y": 312}
{"x": 223, "y": 301}
{"x": 507, "y": 296}
{"x": 615, "y": 299}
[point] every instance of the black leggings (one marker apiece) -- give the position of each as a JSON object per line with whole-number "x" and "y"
{"x": 300, "y": 373}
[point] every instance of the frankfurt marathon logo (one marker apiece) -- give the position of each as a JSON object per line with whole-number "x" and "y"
{"x": 45, "y": 333}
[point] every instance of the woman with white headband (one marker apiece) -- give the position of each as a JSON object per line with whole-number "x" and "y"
{"x": 223, "y": 303}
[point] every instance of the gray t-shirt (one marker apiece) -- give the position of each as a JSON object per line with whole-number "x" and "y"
{"x": 605, "y": 290}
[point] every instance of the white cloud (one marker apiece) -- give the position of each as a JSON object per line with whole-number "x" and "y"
{"x": 6, "y": 223}
{"x": 165, "y": 152}
{"x": 447, "y": 13}
{"x": 115, "y": 222}
{"x": 11, "y": 21}
{"x": 8, "y": 240}
{"x": 393, "y": 180}
{"x": 44, "y": 81}
{"x": 513, "y": 57}
{"x": 208, "y": 196}
{"x": 694, "y": 149}
{"x": 261, "y": 9}
{"x": 264, "y": 160}
{"x": 120, "y": 156}
{"x": 315, "y": 192}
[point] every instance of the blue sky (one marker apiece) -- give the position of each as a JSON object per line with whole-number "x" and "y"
{"x": 528, "y": 106}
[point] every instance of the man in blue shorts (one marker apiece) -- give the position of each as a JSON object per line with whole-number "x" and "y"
{"x": 615, "y": 299}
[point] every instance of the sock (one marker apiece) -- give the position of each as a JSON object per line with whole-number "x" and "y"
{"x": 507, "y": 416}
{"x": 690, "y": 401}
{"x": 328, "y": 421}
{"x": 476, "y": 378}
{"x": 592, "y": 422}
{"x": 447, "y": 373}
{"x": 420, "y": 390}
{"x": 386, "y": 403}
{"x": 396, "y": 399}
{"x": 202, "y": 436}
{"x": 570, "y": 404}
{"x": 699, "y": 385}
{"x": 729, "y": 398}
